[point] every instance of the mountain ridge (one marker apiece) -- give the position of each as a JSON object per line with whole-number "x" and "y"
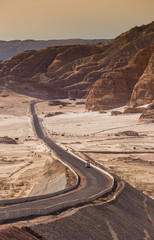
{"x": 13, "y": 47}
{"x": 108, "y": 75}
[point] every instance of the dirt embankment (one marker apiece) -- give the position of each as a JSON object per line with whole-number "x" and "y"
{"x": 127, "y": 218}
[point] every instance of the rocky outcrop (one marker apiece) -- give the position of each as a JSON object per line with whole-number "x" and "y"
{"x": 148, "y": 114}
{"x": 115, "y": 113}
{"x": 107, "y": 74}
{"x": 53, "y": 114}
{"x": 57, "y": 103}
{"x": 134, "y": 110}
{"x": 7, "y": 140}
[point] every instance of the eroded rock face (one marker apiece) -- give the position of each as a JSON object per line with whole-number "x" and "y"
{"x": 105, "y": 74}
{"x": 115, "y": 88}
{"x": 148, "y": 114}
{"x": 143, "y": 91}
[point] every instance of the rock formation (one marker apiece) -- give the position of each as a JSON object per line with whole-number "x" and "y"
{"x": 108, "y": 74}
{"x": 7, "y": 140}
{"x": 134, "y": 110}
{"x": 148, "y": 114}
{"x": 115, "y": 87}
{"x": 57, "y": 102}
{"x": 115, "y": 113}
{"x": 53, "y": 114}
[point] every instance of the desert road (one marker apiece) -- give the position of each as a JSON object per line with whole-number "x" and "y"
{"x": 95, "y": 183}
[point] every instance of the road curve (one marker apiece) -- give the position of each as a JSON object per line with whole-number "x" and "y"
{"x": 96, "y": 183}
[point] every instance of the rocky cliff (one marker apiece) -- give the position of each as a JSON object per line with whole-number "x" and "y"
{"x": 108, "y": 74}
{"x": 116, "y": 85}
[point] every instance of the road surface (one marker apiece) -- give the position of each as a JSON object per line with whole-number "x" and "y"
{"x": 95, "y": 182}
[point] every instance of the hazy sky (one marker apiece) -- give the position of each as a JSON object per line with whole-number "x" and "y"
{"x": 63, "y": 19}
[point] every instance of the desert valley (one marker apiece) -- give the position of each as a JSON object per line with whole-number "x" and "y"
{"x": 96, "y": 101}
{"x": 95, "y": 136}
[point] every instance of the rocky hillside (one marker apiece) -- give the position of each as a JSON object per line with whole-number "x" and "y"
{"x": 108, "y": 74}
{"x": 11, "y": 48}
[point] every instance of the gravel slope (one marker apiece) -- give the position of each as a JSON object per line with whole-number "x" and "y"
{"x": 124, "y": 219}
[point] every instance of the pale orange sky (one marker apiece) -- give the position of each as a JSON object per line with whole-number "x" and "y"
{"x": 63, "y": 19}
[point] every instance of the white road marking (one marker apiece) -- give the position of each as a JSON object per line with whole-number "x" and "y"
{"x": 113, "y": 233}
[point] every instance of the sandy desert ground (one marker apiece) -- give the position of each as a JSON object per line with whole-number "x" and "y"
{"x": 28, "y": 168}
{"x": 92, "y": 136}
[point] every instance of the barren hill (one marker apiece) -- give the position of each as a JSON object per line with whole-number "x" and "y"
{"x": 108, "y": 74}
{"x": 11, "y": 48}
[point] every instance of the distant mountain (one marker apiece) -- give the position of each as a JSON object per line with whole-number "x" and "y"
{"x": 108, "y": 74}
{"x": 11, "y": 48}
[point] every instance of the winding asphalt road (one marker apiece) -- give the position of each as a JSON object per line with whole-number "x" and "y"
{"x": 95, "y": 182}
